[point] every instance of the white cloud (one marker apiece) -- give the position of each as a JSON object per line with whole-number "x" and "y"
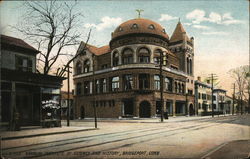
{"x": 201, "y": 27}
{"x": 215, "y": 33}
{"x": 197, "y": 16}
{"x": 166, "y": 17}
{"x": 227, "y": 16}
{"x": 106, "y": 22}
{"x": 188, "y": 24}
{"x": 214, "y": 18}
{"x": 233, "y": 21}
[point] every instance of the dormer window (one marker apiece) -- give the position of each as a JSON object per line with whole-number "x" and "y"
{"x": 164, "y": 31}
{"x": 120, "y": 29}
{"x": 134, "y": 26}
{"x": 151, "y": 26}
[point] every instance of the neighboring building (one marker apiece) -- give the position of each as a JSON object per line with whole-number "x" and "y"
{"x": 64, "y": 104}
{"x": 230, "y": 108}
{"x": 203, "y": 94}
{"x": 219, "y": 101}
{"x": 27, "y": 96}
{"x": 122, "y": 79}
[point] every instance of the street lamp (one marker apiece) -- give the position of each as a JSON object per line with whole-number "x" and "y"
{"x": 94, "y": 92}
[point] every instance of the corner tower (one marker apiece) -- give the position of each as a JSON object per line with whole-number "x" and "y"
{"x": 183, "y": 46}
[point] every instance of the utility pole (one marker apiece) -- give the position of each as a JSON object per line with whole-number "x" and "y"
{"x": 212, "y": 94}
{"x": 233, "y": 100}
{"x": 161, "y": 84}
{"x": 94, "y": 92}
{"x": 68, "y": 94}
{"x": 212, "y": 88}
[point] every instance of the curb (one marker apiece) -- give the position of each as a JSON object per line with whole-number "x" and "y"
{"x": 45, "y": 134}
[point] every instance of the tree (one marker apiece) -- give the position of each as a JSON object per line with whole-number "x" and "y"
{"x": 53, "y": 27}
{"x": 241, "y": 77}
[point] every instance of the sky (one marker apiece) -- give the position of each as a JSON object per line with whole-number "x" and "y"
{"x": 220, "y": 28}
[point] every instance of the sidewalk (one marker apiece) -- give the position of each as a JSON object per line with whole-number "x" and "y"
{"x": 10, "y": 135}
{"x": 150, "y": 120}
{"x": 233, "y": 149}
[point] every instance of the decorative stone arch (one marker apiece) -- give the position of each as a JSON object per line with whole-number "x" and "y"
{"x": 149, "y": 51}
{"x": 123, "y": 54}
{"x": 144, "y": 109}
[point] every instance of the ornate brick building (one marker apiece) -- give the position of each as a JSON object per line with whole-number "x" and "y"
{"x": 122, "y": 79}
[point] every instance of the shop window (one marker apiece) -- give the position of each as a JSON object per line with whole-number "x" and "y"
{"x": 144, "y": 55}
{"x": 128, "y": 82}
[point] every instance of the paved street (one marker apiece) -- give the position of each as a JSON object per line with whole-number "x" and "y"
{"x": 138, "y": 139}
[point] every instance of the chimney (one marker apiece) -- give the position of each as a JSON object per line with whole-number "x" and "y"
{"x": 199, "y": 78}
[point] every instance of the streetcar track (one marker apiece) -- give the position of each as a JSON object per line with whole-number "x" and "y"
{"x": 195, "y": 127}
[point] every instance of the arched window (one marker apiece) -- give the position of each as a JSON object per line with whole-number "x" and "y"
{"x": 78, "y": 67}
{"x": 115, "y": 59}
{"x": 127, "y": 56}
{"x": 86, "y": 66}
{"x": 144, "y": 55}
{"x": 157, "y": 56}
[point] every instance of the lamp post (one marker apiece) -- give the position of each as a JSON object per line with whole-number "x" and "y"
{"x": 94, "y": 92}
{"x": 161, "y": 84}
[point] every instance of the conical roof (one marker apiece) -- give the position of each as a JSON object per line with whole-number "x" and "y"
{"x": 178, "y": 33}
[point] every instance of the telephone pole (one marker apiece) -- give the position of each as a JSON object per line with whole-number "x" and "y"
{"x": 233, "y": 100}
{"x": 212, "y": 88}
{"x": 94, "y": 92}
{"x": 68, "y": 94}
{"x": 161, "y": 85}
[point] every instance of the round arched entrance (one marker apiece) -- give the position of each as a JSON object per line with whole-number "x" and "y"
{"x": 191, "y": 110}
{"x": 144, "y": 111}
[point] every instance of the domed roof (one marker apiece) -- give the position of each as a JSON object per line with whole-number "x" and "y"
{"x": 139, "y": 25}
